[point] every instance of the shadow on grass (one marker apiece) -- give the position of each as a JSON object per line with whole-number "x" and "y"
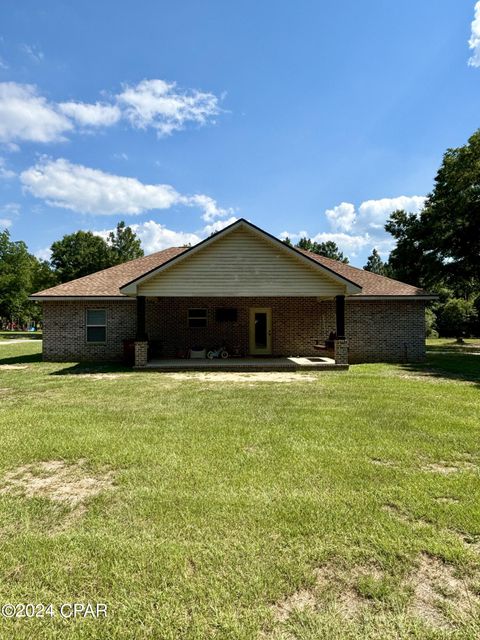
{"x": 21, "y": 359}
{"x": 453, "y": 347}
{"x": 453, "y": 366}
{"x": 84, "y": 368}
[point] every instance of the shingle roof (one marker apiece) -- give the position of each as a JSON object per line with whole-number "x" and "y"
{"x": 372, "y": 284}
{"x": 107, "y": 283}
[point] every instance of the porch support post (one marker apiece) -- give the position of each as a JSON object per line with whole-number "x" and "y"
{"x": 141, "y": 334}
{"x": 141, "y": 340}
{"x": 341, "y": 343}
{"x": 340, "y": 315}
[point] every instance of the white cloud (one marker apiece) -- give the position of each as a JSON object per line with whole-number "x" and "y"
{"x": 120, "y": 156}
{"x": 155, "y": 236}
{"x": 3, "y": 64}
{"x": 355, "y": 231}
{"x": 211, "y": 210}
{"x": 5, "y": 173}
{"x": 91, "y": 115}
{"x": 474, "y": 42}
{"x": 342, "y": 216}
{"x": 25, "y": 115}
{"x": 33, "y": 52}
{"x": 208, "y": 229}
{"x": 160, "y": 105}
{"x": 44, "y": 254}
{"x": 84, "y": 190}
{"x": 5, "y": 223}
{"x": 374, "y": 213}
{"x": 11, "y": 208}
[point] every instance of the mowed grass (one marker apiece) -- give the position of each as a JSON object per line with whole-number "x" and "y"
{"x": 309, "y": 509}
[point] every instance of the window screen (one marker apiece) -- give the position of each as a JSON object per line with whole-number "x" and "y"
{"x": 96, "y": 325}
{"x": 197, "y": 318}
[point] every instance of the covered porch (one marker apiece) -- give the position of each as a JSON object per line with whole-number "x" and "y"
{"x": 264, "y": 334}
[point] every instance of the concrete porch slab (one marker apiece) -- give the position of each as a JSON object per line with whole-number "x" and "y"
{"x": 307, "y": 363}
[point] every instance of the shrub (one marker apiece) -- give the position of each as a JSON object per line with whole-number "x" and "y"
{"x": 457, "y": 318}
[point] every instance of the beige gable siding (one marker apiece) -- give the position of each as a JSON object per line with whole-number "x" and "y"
{"x": 241, "y": 264}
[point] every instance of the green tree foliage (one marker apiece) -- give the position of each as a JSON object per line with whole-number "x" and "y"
{"x": 407, "y": 258}
{"x": 375, "y": 264}
{"x": 327, "y": 249}
{"x": 451, "y": 217}
{"x": 21, "y": 274}
{"x": 441, "y": 246}
{"x": 430, "y": 323}
{"x": 79, "y": 254}
{"x": 124, "y": 244}
{"x": 457, "y": 318}
{"x": 287, "y": 241}
{"x": 15, "y": 277}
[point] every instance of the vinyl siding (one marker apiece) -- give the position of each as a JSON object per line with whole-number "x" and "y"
{"x": 242, "y": 264}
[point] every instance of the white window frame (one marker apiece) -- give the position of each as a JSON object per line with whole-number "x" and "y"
{"x": 87, "y": 326}
{"x": 202, "y": 316}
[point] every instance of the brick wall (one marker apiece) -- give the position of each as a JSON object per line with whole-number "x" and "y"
{"x": 64, "y": 331}
{"x": 376, "y": 331}
{"x": 385, "y": 331}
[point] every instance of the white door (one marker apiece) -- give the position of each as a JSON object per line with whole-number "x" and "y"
{"x": 260, "y": 332}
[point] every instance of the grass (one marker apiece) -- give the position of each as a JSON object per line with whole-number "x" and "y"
{"x": 14, "y": 335}
{"x": 233, "y": 501}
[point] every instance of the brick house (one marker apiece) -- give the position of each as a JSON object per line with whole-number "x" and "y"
{"x": 242, "y": 287}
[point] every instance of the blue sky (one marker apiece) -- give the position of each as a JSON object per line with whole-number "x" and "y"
{"x": 317, "y": 117}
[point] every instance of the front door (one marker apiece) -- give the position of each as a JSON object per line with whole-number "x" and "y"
{"x": 260, "y": 332}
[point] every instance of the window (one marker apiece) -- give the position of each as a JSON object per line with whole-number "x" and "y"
{"x": 96, "y": 325}
{"x": 197, "y": 318}
{"x": 225, "y": 315}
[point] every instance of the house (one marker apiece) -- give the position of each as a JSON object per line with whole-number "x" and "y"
{"x": 240, "y": 286}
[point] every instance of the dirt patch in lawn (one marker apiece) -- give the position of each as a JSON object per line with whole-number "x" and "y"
{"x": 12, "y": 367}
{"x": 70, "y": 484}
{"x": 384, "y": 463}
{"x": 439, "y": 594}
{"x": 298, "y": 601}
{"x": 447, "y": 500}
{"x": 446, "y": 468}
{"x": 339, "y": 582}
{"x": 107, "y": 376}
{"x": 237, "y": 376}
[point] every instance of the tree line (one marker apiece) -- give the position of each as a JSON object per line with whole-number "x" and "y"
{"x": 437, "y": 249}
{"x": 75, "y": 255}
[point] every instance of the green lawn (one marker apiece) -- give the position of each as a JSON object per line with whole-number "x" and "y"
{"x": 341, "y": 505}
{"x": 15, "y": 335}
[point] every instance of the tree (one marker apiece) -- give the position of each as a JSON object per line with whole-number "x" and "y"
{"x": 15, "y": 277}
{"x": 375, "y": 264}
{"x": 406, "y": 259}
{"x": 450, "y": 220}
{"x": 327, "y": 249}
{"x": 441, "y": 245}
{"x": 79, "y": 254}
{"x": 457, "y": 318}
{"x": 287, "y": 241}
{"x": 124, "y": 244}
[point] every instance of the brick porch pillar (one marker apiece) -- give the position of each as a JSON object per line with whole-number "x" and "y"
{"x": 341, "y": 351}
{"x": 141, "y": 353}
